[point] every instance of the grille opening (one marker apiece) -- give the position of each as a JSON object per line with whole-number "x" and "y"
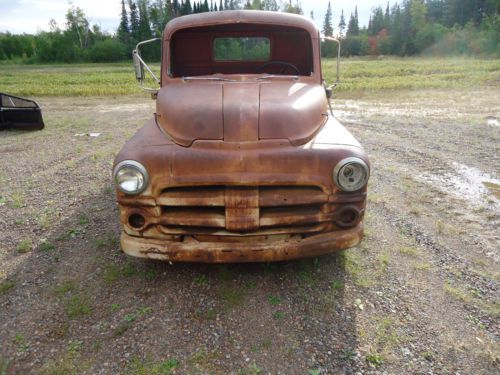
{"x": 347, "y": 217}
{"x": 136, "y": 221}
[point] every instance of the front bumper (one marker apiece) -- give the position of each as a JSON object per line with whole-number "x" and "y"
{"x": 191, "y": 250}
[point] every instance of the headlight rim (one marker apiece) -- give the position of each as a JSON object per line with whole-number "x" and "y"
{"x": 139, "y": 167}
{"x": 343, "y": 163}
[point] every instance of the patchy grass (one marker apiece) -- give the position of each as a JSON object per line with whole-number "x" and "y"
{"x": 7, "y": 285}
{"x": 357, "y": 74}
{"x": 77, "y": 306}
{"x": 107, "y": 241}
{"x": 46, "y": 246}
{"x": 17, "y": 200}
{"x": 231, "y": 296}
{"x": 64, "y": 287}
{"x": 24, "y": 246}
{"x": 113, "y": 272}
{"x": 4, "y": 365}
{"x": 392, "y": 73}
{"x": 66, "y": 365}
{"x": 148, "y": 367}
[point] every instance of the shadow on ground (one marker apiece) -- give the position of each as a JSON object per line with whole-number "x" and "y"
{"x": 79, "y": 305}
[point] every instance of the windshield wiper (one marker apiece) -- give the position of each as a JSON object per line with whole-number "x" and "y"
{"x": 207, "y": 79}
{"x": 268, "y": 76}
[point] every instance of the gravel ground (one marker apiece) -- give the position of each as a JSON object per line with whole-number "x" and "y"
{"x": 418, "y": 296}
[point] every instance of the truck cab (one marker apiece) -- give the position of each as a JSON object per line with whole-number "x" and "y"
{"x": 242, "y": 161}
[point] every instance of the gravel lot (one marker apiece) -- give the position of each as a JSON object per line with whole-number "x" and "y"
{"x": 418, "y": 295}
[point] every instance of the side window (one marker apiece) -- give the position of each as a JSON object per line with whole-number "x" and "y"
{"x": 242, "y": 49}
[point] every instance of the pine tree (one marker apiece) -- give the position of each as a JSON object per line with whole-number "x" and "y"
{"x": 144, "y": 27}
{"x": 134, "y": 21}
{"x": 123, "y": 29}
{"x": 327, "y": 23}
{"x": 353, "y": 25}
{"x": 342, "y": 24}
{"x": 270, "y": 5}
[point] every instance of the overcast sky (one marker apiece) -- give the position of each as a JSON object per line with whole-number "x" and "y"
{"x": 30, "y": 16}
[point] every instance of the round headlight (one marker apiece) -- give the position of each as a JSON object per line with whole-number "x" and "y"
{"x": 351, "y": 174}
{"x": 131, "y": 177}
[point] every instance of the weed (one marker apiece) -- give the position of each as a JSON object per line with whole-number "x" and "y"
{"x": 201, "y": 280}
{"x": 64, "y": 288}
{"x": 456, "y": 293}
{"x": 347, "y": 355}
{"x": 314, "y": 372}
{"x": 411, "y": 251}
{"x": 226, "y": 274}
{"x": 7, "y": 285}
{"x": 274, "y": 300}
{"x": 251, "y": 284}
{"x": 150, "y": 274}
{"x": 383, "y": 259}
{"x": 375, "y": 359}
{"x": 17, "y": 200}
{"x": 428, "y": 355}
{"x": 336, "y": 284}
{"x": 24, "y": 246}
{"x": 121, "y": 328}
{"x": 83, "y": 220}
{"x": 421, "y": 266}
{"x": 109, "y": 240}
{"x": 279, "y": 315}
{"x": 252, "y": 369}
{"x": 113, "y": 272}
{"x": 231, "y": 296}
{"x": 4, "y": 365}
{"x": 115, "y": 307}
{"x": 77, "y": 306}
{"x": 130, "y": 317}
{"x": 147, "y": 367}
{"x": 440, "y": 227}
{"x": 67, "y": 365}
{"x": 20, "y": 340}
{"x": 269, "y": 267}
{"x": 75, "y": 346}
{"x": 475, "y": 320}
{"x": 46, "y": 246}
{"x": 96, "y": 345}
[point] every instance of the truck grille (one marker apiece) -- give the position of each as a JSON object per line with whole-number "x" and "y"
{"x": 235, "y": 209}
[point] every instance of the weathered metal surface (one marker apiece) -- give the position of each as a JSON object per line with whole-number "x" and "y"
{"x": 191, "y": 250}
{"x": 240, "y": 169}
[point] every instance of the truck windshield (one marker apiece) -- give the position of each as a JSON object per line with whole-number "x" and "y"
{"x": 240, "y": 48}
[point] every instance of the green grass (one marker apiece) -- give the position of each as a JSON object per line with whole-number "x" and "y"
{"x": 6, "y": 285}
{"x": 24, "y": 246}
{"x": 390, "y": 73}
{"x": 77, "y": 306}
{"x": 147, "y": 367}
{"x": 394, "y": 73}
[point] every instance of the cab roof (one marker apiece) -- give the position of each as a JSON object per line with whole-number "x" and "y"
{"x": 229, "y": 17}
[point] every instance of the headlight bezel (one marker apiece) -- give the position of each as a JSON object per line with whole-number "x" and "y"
{"x": 345, "y": 162}
{"x": 134, "y": 165}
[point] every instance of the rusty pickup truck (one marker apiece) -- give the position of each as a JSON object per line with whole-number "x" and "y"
{"x": 243, "y": 161}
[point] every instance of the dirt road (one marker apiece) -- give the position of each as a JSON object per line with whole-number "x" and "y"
{"x": 419, "y": 295}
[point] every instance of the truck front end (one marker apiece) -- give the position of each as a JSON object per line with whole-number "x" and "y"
{"x": 242, "y": 161}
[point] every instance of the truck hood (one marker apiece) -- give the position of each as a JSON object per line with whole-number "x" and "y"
{"x": 241, "y": 111}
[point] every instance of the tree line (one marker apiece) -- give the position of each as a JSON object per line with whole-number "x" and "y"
{"x": 407, "y": 28}
{"x": 434, "y": 27}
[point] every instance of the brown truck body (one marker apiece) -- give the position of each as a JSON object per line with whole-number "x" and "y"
{"x": 241, "y": 159}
